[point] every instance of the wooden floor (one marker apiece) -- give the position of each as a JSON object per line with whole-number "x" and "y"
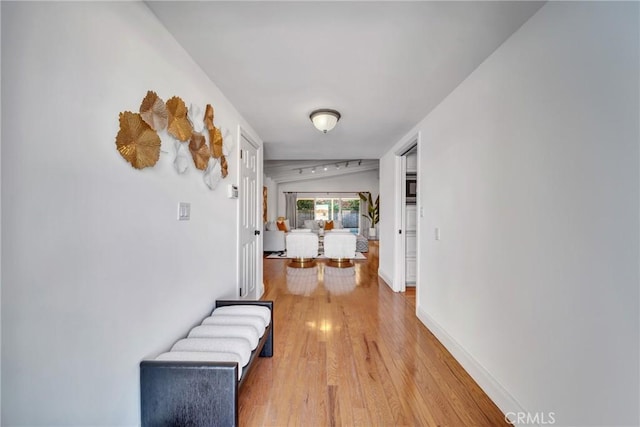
{"x": 348, "y": 351}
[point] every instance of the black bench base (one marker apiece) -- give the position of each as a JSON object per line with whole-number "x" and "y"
{"x": 197, "y": 393}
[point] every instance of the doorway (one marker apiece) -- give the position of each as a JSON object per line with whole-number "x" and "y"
{"x": 406, "y": 243}
{"x": 411, "y": 216}
{"x": 249, "y": 213}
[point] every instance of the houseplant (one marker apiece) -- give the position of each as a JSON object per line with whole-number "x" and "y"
{"x": 373, "y": 213}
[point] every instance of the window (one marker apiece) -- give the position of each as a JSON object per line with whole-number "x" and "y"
{"x": 344, "y": 209}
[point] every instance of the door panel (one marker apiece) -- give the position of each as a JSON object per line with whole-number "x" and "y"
{"x": 248, "y": 217}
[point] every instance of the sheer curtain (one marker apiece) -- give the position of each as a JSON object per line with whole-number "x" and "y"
{"x": 291, "y": 209}
{"x": 364, "y": 221}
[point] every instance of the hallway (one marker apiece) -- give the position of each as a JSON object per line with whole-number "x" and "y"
{"x": 349, "y": 351}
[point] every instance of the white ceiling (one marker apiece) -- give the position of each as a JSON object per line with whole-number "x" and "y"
{"x": 383, "y": 65}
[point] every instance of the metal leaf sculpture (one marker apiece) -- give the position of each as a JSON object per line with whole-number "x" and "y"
{"x": 137, "y": 142}
{"x": 181, "y": 162}
{"x": 199, "y": 150}
{"x": 227, "y": 146}
{"x": 154, "y": 112}
{"x": 215, "y": 138}
{"x": 179, "y": 126}
{"x": 196, "y": 118}
{"x": 212, "y": 175}
{"x": 224, "y": 166}
{"x": 208, "y": 117}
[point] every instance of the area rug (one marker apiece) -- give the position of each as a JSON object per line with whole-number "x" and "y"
{"x": 276, "y": 255}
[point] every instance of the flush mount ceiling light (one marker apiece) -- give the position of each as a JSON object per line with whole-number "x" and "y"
{"x": 324, "y": 120}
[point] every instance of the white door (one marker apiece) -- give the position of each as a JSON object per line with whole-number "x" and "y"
{"x": 248, "y": 198}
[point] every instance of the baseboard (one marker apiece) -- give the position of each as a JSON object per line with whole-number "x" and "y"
{"x": 385, "y": 278}
{"x": 496, "y": 392}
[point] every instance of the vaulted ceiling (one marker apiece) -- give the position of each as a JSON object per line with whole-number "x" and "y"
{"x": 383, "y": 65}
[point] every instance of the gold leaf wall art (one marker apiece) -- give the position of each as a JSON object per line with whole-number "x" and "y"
{"x": 215, "y": 138}
{"x": 213, "y": 174}
{"x": 181, "y": 162}
{"x": 154, "y": 111}
{"x": 199, "y": 150}
{"x": 208, "y": 117}
{"x": 179, "y": 126}
{"x": 196, "y": 118}
{"x": 137, "y": 142}
{"x": 224, "y": 166}
{"x": 227, "y": 146}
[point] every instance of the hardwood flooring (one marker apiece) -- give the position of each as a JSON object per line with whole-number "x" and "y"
{"x": 350, "y": 352}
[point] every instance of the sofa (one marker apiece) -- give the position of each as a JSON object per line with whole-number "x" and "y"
{"x": 273, "y": 241}
{"x": 273, "y": 238}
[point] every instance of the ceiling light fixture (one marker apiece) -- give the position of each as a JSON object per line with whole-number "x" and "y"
{"x": 313, "y": 170}
{"x": 324, "y": 119}
{"x": 325, "y": 168}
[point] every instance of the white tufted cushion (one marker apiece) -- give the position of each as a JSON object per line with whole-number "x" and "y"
{"x": 239, "y": 346}
{"x": 226, "y": 331}
{"x": 243, "y": 310}
{"x": 202, "y": 356}
{"x": 224, "y": 319}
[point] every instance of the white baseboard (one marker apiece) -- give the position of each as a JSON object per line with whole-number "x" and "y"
{"x": 386, "y": 278}
{"x": 496, "y": 392}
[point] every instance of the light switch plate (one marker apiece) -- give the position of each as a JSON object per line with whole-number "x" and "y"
{"x": 184, "y": 211}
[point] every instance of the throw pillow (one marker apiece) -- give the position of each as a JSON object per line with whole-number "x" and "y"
{"x": 328, "y": 225}
{"x": 282, "y": 226}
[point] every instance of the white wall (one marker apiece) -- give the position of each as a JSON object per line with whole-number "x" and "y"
{"x": 530, "y": 170}
{"x": 355, "y": 182}
{"x": 97, "y": 273}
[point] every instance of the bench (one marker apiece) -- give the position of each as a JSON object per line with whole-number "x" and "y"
{"x": 188, "y": 388}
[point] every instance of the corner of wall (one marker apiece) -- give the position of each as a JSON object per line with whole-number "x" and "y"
{"x": 386, "y": 278}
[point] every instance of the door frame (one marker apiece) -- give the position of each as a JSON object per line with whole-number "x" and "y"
{"x": 259, "y": 288}
{"x": 399, "y": 202}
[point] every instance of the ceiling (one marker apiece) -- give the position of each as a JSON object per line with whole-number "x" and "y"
{"x": 383, "y": 65}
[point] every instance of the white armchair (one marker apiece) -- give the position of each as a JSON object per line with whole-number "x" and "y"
{"x": 340, "y": 248}
{"x": 302, "y": 246}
